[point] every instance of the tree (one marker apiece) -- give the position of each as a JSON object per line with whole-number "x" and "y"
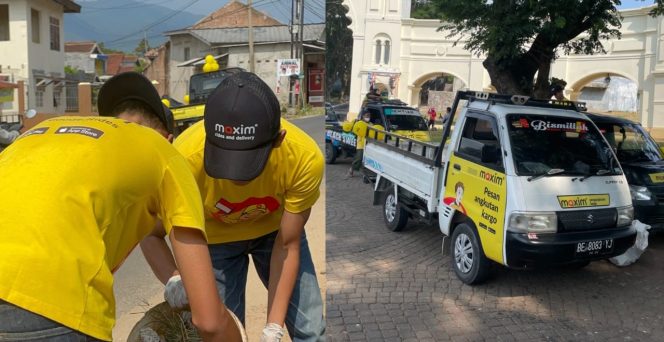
{"x": 339, "y": 45}
{"x": 521, "y": 38}
{"x": 142, "y": 47}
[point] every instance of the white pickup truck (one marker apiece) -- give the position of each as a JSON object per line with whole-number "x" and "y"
{"x": 522, "y": 182}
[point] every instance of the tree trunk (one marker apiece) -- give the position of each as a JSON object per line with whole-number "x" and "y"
{"x": 510, "y": 80}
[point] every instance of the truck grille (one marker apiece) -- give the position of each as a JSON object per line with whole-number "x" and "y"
{"x": 579, "y": 220}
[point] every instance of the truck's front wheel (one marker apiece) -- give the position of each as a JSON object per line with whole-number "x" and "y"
{"x": 330, "y": 153}
{"x": 468, "y": 260}
{"x": 395, "y": 216}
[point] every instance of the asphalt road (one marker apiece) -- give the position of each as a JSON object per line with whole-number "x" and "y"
{"x": 135, "y": 285}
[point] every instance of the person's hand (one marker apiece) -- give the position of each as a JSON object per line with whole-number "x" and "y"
{"x": 272, "y": 333}
{"x": 175, "y": 294}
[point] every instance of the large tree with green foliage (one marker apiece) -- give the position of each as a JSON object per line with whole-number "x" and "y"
{"x": 521, "y": 38}
{"x": 339, "y": 46}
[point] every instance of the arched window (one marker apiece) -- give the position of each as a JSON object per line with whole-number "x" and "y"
{"x": 383, "y": 49}
{"x": 386, "y": 52}
{"x": 378, "y": 51}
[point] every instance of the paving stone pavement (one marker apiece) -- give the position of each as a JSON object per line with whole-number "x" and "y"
{"x": 387, "y": 286}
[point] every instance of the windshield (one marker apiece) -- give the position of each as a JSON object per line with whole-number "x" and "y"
{"x": 203, "y": 84}
{"x": 404, "y": 119}
{"x": 541, "y": 143}
{"x": 630, "y": 142}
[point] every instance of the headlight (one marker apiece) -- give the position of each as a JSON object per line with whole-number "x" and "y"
{"x": 640, "y": 193}
{"x": 546, "y": 222}
{"x": 625, "y": 216}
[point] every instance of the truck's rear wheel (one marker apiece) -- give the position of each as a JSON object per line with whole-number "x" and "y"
{"x": 469, "y": 262}
{"x": 330, "y": 153}
{"x": 395, "y": 216}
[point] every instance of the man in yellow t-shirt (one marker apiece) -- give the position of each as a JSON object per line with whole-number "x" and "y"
{"x": 360, "y": 128}
{"x": 259, "y": 176}
{"x": 79, "y": 193}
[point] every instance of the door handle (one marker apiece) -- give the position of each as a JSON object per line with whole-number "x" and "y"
{"x": 457, "y": 167}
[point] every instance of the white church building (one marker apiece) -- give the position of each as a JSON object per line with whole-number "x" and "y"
{"x": 399, "y": 55}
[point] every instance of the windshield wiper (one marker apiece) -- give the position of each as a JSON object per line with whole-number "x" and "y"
{"x": 598, "y": 173}
{"x": 551, "y": 172}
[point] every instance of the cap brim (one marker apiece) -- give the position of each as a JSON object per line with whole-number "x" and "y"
{"x": 233, "y": 164}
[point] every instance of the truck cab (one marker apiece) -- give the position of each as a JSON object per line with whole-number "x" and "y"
{"x": 523, "y": 183}
{"x": 398, "y": 118}
{"x": 643, "y": 163}
{"x": 201, "y": 87}
{"x": 390, "y": 115}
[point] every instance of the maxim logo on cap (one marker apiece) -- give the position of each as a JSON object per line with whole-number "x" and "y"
{"x": 241, "y": 132}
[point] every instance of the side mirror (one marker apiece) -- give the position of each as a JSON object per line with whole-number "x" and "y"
{"x": 186, "y": 99}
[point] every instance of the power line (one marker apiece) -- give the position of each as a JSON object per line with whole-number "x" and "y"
{"x": 159, "y": 21}
{"x": 101, "y": 9}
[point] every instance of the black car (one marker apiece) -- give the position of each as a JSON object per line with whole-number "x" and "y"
{"x": 643, "y": 163}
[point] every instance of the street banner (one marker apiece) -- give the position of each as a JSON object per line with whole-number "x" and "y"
{"x": 288, "y": 67}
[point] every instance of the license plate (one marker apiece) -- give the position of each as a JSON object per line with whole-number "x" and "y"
{"x": 596, "y": 247}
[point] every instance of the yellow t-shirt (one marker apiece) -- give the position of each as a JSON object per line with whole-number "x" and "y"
{"x": 290, "y": 181}
{"x": 360, "y": 130}
{"x": 78, "y": 193}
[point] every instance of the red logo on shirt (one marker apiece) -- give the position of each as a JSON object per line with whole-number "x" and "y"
{"x": 248, "y": 210}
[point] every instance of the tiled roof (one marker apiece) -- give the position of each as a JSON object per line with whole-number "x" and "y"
{"x": 85, "y": 47}
{"x": 235, "y": 14}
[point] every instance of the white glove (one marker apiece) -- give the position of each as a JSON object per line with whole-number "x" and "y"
{"x": 175, "y": 294}
{"x": 272, "y": 333}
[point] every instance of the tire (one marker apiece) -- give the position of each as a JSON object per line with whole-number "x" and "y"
{"x": 395, "y": 217}
{"x": 330, "y": 153}
{"x": 468, "y": 260}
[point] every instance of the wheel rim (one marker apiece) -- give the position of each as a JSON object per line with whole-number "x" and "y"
{"x": 463, "y": 253}
{"x": 390, "y": 207}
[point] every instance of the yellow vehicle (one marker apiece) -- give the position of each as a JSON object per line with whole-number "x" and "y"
{"x": 200, "y": 87}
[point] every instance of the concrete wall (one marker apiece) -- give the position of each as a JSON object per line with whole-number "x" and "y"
{"x": 81, "y": 61}
{"x": 265, "y": 64}
{"x": 179, "y": 76}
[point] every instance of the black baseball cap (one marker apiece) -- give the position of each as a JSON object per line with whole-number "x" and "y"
{"x": 242, "y": 121}
{"x": 133, "y": 86}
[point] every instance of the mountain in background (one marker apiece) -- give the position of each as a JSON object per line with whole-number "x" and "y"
{"x": 119, "y": 24}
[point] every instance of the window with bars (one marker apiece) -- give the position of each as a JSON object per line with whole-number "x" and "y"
{"x": 39, "y": 97}
{"x": 55, "y": 34}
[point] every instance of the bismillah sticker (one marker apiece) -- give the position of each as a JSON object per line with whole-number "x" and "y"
{"x": 581, "y": 201}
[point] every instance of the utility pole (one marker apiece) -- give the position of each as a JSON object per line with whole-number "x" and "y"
{"x": 251, "y": 38}
{"x": 301, "y": 56}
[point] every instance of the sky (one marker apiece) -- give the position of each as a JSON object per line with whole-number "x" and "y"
{"x": 314, "y": 10}
{"x": 635, "y": 4}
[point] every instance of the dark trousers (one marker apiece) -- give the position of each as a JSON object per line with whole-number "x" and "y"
{"x": 18, "y": 324}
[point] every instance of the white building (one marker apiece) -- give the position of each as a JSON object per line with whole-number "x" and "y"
{"x": 32, "y": 50}
{"x": 401, "y": 54}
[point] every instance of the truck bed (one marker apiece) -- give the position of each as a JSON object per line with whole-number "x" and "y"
{"x": 405, "y": 162}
